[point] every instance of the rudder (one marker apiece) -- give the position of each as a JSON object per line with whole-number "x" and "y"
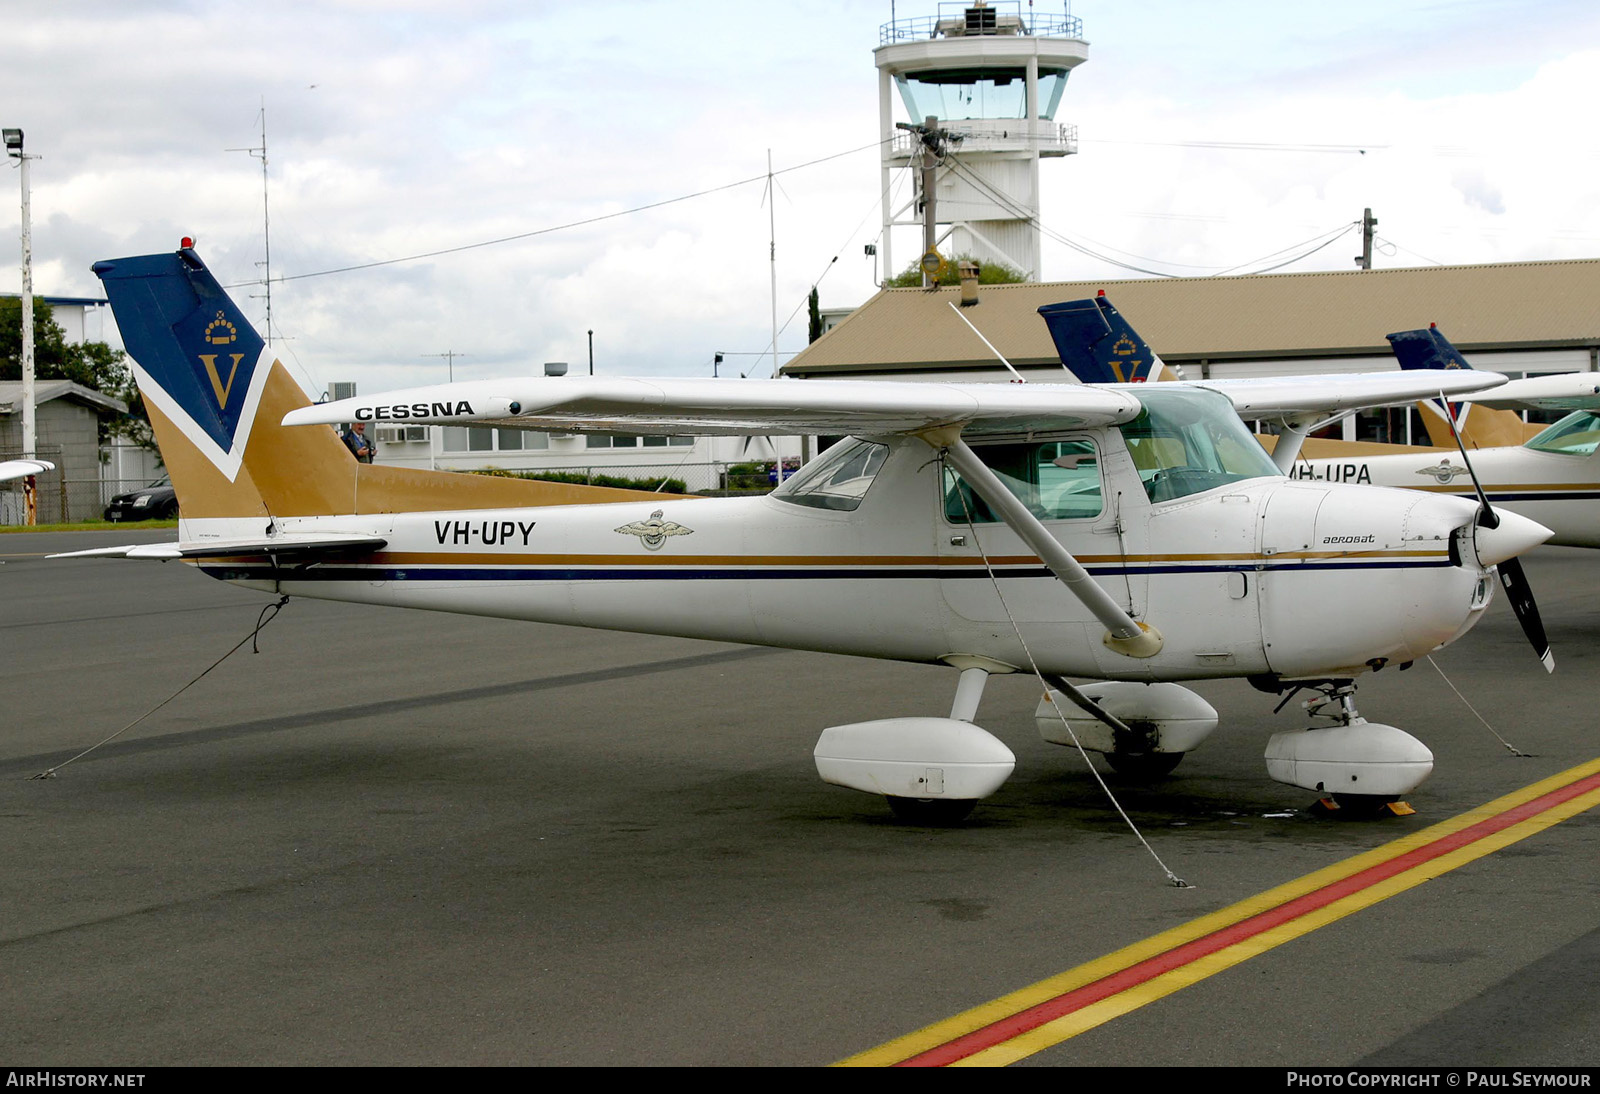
{"x": 217, "y": 396}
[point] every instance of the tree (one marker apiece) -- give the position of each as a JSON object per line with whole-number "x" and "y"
{"x": 991, "y": 273}
{"x": 93, "y": 364}
{"x": 815, "y": 313}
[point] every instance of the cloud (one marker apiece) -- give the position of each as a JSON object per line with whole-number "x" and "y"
{"x": 400, "y": 129}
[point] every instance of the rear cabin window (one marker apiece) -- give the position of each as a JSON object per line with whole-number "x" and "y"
{"x": 1056, "y": 480}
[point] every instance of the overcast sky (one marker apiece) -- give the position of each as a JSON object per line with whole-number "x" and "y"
{"x": 399, "y": 128}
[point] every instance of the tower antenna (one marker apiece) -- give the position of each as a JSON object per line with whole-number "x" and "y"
{"x": 266, "y": 219}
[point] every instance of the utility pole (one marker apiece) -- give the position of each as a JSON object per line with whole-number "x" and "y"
{"x": 449, "y": 356}
{"x": 591, "y": 353}
{"x": 13, "y": 142}
{"x": 1368, "y": 222}
{"x": 935, "y": 145}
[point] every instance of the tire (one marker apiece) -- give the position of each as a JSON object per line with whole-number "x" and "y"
{"x": 932, "y": 812}
{"x": 1144, "y": 766}
{"x": 1362, "y": 806}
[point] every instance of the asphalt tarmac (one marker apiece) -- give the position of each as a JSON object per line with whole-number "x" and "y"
{"x": 401, "y": 838}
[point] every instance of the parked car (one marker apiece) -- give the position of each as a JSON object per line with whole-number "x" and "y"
{"x": 158, "y": 501}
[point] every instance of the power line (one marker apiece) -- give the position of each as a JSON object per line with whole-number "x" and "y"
{"x": 888, "y": 195}
{"x": 570, "y": 224}
{"x": 1314, "y": 244}
{"x": 1249, "y": 146}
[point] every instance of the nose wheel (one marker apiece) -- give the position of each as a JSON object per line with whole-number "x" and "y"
{"x": 932, "y": 812}
{"x": 1362, "y": 768}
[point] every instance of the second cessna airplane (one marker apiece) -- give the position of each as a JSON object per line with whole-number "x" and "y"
{"x": 1137, "y": 536}
{"x": 1552, "y": 477}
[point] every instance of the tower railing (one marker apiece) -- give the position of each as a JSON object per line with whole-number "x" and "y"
{"x": 991, "y": 134}
{"x": 963, "y": 19}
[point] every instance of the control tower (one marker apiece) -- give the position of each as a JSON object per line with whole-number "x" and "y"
{"x": 992, "y": 74}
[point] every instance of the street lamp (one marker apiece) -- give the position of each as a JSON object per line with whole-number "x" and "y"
{"x": 13, "y": 142}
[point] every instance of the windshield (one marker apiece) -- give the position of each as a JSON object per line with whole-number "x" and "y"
{"x": 838, "y": 479}
{"x": 1188, "y": 440}
{"x": 1575, "y": 435}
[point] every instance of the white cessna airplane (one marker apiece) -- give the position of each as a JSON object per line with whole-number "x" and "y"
{"x": 1138, "y": 536}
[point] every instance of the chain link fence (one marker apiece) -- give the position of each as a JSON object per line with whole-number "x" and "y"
{"x": 52, "y": 496}
{"x": 715, "y": 479}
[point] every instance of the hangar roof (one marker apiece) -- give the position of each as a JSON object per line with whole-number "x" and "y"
{"x": 1506, "y": 306}
{"x": 46, "y": 390}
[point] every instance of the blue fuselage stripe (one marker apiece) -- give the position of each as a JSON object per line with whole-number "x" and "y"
{"x": 664, "y": 573}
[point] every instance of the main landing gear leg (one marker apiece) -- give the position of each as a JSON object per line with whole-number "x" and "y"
{"x": 943, "y": 812}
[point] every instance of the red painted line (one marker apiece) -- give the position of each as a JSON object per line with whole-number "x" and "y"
{"x": 1048, "y": 1011}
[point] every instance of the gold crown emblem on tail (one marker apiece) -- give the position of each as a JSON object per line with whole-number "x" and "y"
{"x": 219, "y": 332}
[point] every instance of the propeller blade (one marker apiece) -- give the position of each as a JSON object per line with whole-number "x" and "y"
{"x": 1487, "y": 517}
{"x": 1512, "y": 577}
{"x": 1521, "y": 597}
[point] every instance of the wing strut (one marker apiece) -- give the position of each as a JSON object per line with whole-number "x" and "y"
{"x": 1127, "y": 636}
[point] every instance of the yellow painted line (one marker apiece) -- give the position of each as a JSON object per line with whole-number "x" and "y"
{"x": 943, "y": 1042}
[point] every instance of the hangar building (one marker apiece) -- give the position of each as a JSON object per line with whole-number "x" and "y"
{"x": 1518, "y": 318}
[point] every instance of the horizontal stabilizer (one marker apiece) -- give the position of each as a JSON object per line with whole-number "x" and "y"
{"x": 300, "y": 546}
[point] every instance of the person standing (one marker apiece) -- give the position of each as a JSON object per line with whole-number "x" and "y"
{"x": 356, "y": 440}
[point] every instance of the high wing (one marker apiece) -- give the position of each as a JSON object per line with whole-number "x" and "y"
{"x": 866, "y": 407}
{"x": 1562, "y": 391}
{"x": 298, "y": 547}
{"x": 734, "y": 407}
{"x": 1267, "y": 396}
{"x": 18, "y": 469}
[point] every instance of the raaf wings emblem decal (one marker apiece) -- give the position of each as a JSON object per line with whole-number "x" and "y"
{"x": 1443, "y": 471}
{"x": 654, "y": 532}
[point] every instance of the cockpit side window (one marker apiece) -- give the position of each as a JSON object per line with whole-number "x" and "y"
{"x": 1575, "y": 435}
{"x": 838, "y": 479}
{"x": 1056, "y": 480}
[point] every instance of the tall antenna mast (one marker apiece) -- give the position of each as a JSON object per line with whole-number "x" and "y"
{"x": 450, "y": 356}
{"x": 772, "y": 247}
{"x": 266, "y": 218}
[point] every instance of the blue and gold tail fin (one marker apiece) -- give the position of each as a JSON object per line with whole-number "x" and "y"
{"x": 1098, "y": 346}
{"x": 1480, "y": 426}
{"x": 216, "y": 396}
